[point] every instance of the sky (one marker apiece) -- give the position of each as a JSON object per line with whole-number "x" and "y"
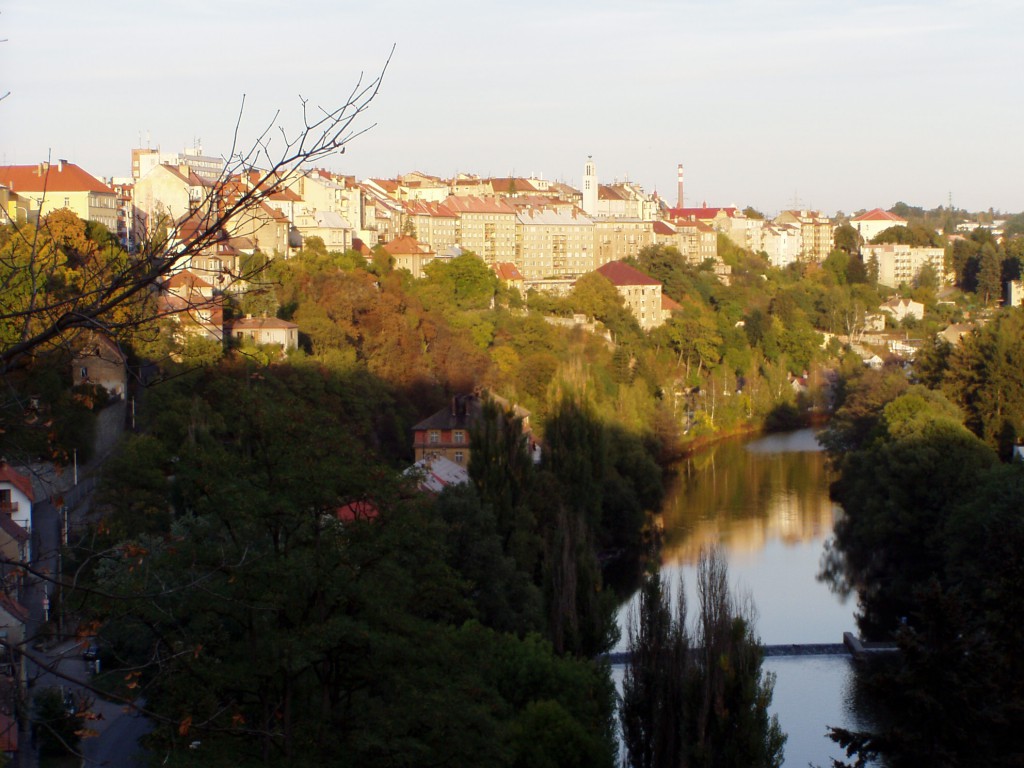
{"x": 770, "y": 103}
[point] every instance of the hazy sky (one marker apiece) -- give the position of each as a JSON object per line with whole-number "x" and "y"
{"x": 838, "y": 106}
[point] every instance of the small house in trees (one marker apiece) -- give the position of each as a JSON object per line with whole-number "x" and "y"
{"x": 642, "y": 293}
{"x": 900, "y": 309}
{"x": 190, "y": 302}
{"x": 263, "y": 330}
{"x": 409, "y": 254}
{"x": 98, "y": 360}
{"x": 446, "y": 433}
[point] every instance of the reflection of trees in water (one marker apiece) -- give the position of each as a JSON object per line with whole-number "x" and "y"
{"x": 744, "y": 499}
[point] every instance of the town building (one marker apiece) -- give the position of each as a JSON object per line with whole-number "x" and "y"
{"x": 263, "y": 330}
{"x": 34, "y": 191}
{"x": 871, "y": 224}
{"x": 433, "y": 224}
{"x": 98, "y": 360}
{"x": 900, "y": 264}
{"x": 900, "y": 309}
{"x": 641, "y": 293}
{"x": 816, "y": 233}
{"x": 486, "y": 226}
{"x": 409, "y": 254}
{"x": 624, "y": 200}
{"x": 554, "y": 242}
{"x": 447, "y": 432}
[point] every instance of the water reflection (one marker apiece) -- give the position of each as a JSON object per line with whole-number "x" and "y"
{"x": 766, "y": 503}
{"x": 744, "y": 497}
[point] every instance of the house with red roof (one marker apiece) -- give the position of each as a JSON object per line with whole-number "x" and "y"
{"x": 38, "y": 190}
{"x": 869, "y": 225}
{"x": 509, "y": 274}
{"x": 486, "y": 226}
{"x": 409, "y": 254}
{"x": 642, "y": 293}
{"x": 433, "y": 224}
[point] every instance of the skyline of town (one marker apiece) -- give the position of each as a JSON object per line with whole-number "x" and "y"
{"x": 770, "y": 105}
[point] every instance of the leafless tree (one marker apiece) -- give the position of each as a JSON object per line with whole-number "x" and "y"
{"x": 40, "y": 307}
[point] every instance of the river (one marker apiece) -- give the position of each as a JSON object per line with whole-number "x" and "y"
{"x": 765, "y": 503}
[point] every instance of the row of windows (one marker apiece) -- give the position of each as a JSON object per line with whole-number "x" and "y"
{"x": 458, "y": 437}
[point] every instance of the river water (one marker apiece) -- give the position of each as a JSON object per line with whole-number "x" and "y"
{"x": 765, "y": 503}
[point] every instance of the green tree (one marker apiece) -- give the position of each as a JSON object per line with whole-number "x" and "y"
{"x": 708, "y": 707}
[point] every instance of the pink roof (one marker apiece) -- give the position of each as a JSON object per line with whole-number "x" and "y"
{"x": 699, "y": 213}
{"x": 61, "y": 176}
{"x": 879, "y": 215}
{"x": 23, "y": 483}
{"x": 470, "y": 204}
{"x": 622, "y": 274}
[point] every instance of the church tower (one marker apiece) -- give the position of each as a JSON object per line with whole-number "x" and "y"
{"x": 590, "y": 188}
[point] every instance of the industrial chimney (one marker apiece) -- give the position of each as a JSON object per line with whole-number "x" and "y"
{"x": 679, "y": 174}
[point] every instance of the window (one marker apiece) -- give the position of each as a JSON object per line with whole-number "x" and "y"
{"x": 434, "y": 437}
{"x": 459, "y": 436}
{"x": 459, "y": 456}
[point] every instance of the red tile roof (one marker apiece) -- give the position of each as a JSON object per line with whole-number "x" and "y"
{"x": 669, "y": 305}
{"x": 698, "y": 213}
{"x": 23, "y": 483}
{"x": 55, "y": 177}
{"x": 663, "y": 228}
{"x": 879, "y": 215}
{"x": 406, "y": 244}
{"x": 470, "y": 204}
{"x": 507, "y": 271}
{"x": 358, "y": 510}
{"x": 187, "y": 279}
{"x": 622, "y": 274}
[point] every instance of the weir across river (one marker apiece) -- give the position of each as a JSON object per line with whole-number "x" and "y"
{"x": 851, "y": 645}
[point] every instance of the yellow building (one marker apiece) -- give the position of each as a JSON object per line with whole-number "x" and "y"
{"x": 38, "y": 190}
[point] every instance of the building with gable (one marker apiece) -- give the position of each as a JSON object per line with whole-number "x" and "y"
{"x": 624, "y": 200}
{"x": 447, "y": 432}
{"x": 34, "y": 191}
{"x": 263, "y": 330}
{"x": 433, "y": 224}
{"x": 409, "y": 254}
{"x": 816, "y": 233}
{"x": 871, "y": 224}
{"x": 641, "y": 293}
